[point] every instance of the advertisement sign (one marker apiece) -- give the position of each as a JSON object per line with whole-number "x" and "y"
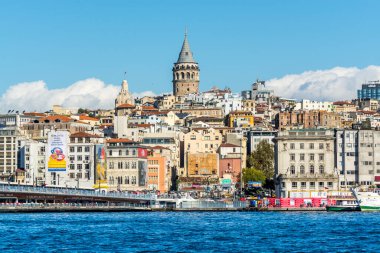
{"x": 100, "y": 161}
{"x": 254, "y": 184}
{"x": 143, "y": 167}
{"x": 57, "y": 151}
{"x": 226, "y": 182}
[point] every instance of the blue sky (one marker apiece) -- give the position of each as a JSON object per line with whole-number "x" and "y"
{"x": 235, "y": 42}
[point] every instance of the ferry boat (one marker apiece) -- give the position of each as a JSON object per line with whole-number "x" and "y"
{"x": 368, "y": 200}
{"x": 343, "y": 206}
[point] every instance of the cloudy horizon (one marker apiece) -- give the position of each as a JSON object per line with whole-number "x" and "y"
{"x": 333, "y": 84}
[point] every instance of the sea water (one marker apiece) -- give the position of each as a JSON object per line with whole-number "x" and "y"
{"x": 190, "y": 232}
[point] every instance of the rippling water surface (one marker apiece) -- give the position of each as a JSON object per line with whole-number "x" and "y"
{"x": 191, "y": 232}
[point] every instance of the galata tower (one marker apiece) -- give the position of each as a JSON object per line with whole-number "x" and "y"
{"x": 185, "y": 72}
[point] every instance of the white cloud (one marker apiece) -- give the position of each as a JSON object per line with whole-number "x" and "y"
{"x": 36, "y": 96}
{"x": 326, "y": 85}
{"x": 143, "y": 94}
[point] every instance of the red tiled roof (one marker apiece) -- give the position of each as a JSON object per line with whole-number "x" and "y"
{"x": 149, "y": 108}
{"x": 84, "y": 135}
{"x": 157, "y": 147}
{"x": 119, "y": 140}
{"x": 85, "y": 117}
{"x": 37, "y": 114}
{"x": 55, "y": 118}
{"x": 125, "y": 106}
{"x": 228, "y": 145}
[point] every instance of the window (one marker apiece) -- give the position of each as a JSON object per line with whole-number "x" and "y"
{"x": 302, "y": 145}
{"x": 303, "y": 185}
{"x": 321, "y": 157}
{"x": 302, "y": 169}
{"x": 292, "y": 146}
{"x": 311, "y": 157}
{"x": 72, "y": 149}
{"x": 72, "y": 166}
{"x": 87, "y": 149}
{"x": 79, "y": 158}
{"x": 79, "y": 166}
{"x": 207, "y": 138}
{"x": 133, "y": 152}
{"x": 120, "y": 153}
{"x": 193, "y": 137}
{"x": 302, "y": 157}
{"x": 321, "y": 169}
{"x": 79, "y": 149}
{"x": 330, "y": 184}
{"x": 292, "y": 170}
{"x": 311, "y": 169}
{"x": 292, "y": 157}
{"x": 321, "y": 145}
{"x": 312, "y": 185}
{"x": 294, "y": 185}
{"x": 110, "y": 152}
{"x": 321, "y": 184}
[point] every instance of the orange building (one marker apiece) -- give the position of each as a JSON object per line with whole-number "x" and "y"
{"x": 158, "y": 171}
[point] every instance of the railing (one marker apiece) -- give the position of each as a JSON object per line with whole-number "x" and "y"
{"x": 75, "y": 192}
{"x": 213, "y": 204}
{"x": 72, "y": 205}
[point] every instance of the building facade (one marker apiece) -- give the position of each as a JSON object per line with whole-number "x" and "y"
{"x": 126, "y": 165}
{"x": 304, "y": 163}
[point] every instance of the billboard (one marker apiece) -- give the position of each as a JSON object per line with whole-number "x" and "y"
{"x": 100, "y": 170}
{"x": 57, "y": 151}
{"x": 143, "y": 168}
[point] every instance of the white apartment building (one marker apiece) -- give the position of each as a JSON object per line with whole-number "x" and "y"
{"x": 306, "y": 104}
{"x": 304, "y": 163}
{"x": 254, "y": 137}
{"x": 10, "y": 143}
{"x": 358, "y": 157}
{"x": 33, "y": 159}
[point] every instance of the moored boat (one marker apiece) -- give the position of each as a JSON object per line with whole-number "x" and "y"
{"x": 344, "y": 206}
{"x": 368, "y": 200}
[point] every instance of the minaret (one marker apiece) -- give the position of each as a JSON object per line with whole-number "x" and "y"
{"x": 124, "y": 96}
{"x": 185, "y": 72}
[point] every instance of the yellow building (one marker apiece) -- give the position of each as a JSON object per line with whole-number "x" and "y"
{"x": 202, "y": 164}
{"x": 240, "y": 119}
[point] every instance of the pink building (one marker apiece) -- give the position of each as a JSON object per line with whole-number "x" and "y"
{"x": 230, "y": 161}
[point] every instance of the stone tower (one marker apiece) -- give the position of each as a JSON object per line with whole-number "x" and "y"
{"x": 185, "y": 72}
{"x": 124, "y": 97}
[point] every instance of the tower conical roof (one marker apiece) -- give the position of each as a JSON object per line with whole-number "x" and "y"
{"x": 185, "y": 55}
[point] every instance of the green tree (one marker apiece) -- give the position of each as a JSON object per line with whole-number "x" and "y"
{"x": 252, "y": 174}
{"x": 262, "y": 159}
